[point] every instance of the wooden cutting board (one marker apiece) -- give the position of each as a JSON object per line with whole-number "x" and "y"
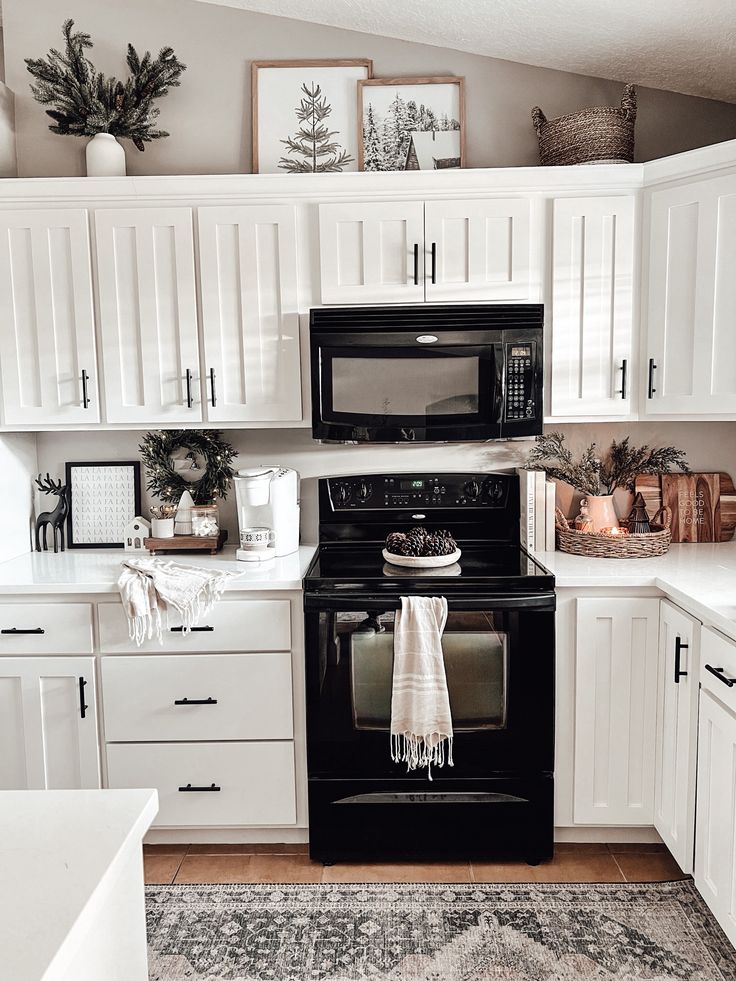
{"x": 703, "y": 505}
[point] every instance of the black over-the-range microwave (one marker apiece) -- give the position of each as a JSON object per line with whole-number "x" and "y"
{"x": 426, "y": 373}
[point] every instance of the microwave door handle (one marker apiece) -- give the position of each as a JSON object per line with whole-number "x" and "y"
{"x": 499, "y": 382}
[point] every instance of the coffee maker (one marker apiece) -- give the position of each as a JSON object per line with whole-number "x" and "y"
{"x": 268, "y": 512}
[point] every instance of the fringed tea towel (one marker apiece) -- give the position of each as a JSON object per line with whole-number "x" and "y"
{"x": 151, "y": 588}
{"x": 421, "y": 723}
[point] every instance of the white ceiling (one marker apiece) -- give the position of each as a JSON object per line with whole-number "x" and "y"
{"x": 684, "y": 45}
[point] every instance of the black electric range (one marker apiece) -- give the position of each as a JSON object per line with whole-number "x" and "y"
{"x": 498, "y": 647}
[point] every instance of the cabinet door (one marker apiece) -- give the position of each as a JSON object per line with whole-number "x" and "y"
{"x": 615, "y": 710}
{"x": 691, "y": 341}
{"x": 250, "y": 322}
{"x": 372, "y": 252}
{"x": 478, "y": 250}
{"x": 48, "y": 723}
{"x": 47, "y": 345}
{"x": 592, "y": 306}
{"x": 677, "y": 732}
{"x": 148, "y": 315}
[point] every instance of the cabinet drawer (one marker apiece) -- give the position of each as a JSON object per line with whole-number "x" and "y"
{"x": 46, "y": 628}
{"x": 718, "y": 654}
{"x": 256, "y": 781}
{"x": 250, "y": 697}
{"x": 232, "y": 625}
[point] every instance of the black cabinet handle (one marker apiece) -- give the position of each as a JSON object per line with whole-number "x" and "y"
{"x": 622, "y": 390}
{"x": 17, "y": 631}
{"x": 82, "y": 704}
{"x": 718, "y": 672}
{"x": 679, "y": 648}
{"x": 85, "y": 394}
{"x": 179, "y": 630}
{"x": 416, "y": 264}
{"x": 652, "y": 369}
{"x": 212, "y": 387}
{"x": 195, "y": 701}
{"x": 434, "y": 262}
{"x": 188, "y": 377}
{"x": 189, "y": 789}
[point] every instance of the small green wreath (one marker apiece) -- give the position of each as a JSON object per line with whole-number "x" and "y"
{"x": 167, "y": 484}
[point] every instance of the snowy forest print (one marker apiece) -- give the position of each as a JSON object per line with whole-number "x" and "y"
{"x": 411, "y": 127}
{"x": 305, "y": 116}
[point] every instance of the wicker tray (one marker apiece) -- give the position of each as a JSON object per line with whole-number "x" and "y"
{"x": 600, "y": 134}
{"x": 600, "y": 546}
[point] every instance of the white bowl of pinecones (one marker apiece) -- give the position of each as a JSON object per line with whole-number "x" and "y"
{"x": 419, "y": 548}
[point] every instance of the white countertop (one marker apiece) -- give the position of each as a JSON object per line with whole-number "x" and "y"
{"x": 700, "y": 578}
{"x": 82, "y": 570}
{"x": 57, "y": 849}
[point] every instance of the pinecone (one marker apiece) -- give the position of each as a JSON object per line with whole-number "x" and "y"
{"x": 440, "y": 543}
{"x": 395, "y": 542}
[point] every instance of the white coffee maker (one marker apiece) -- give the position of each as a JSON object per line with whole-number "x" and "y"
{"x": 268, "y": 512}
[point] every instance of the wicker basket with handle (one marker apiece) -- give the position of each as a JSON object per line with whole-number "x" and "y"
{"x": 603, "y": 133}
{"x": 596, "y": 545}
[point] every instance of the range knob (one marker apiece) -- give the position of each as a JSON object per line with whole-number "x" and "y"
{"x": 342, "y": 493}
{"x": 364, "y": 491}
{"x": 494, "y": 489}
{"x": 472, "y": 489}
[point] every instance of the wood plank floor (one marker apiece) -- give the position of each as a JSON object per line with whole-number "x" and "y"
{"x": 166, "y": 864}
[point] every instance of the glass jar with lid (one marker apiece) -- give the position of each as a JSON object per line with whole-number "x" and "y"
{"x": 205, "y": 520}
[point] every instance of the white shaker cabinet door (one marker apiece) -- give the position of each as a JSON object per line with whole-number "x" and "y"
{"x": 47, "y": 333}
{"x": 593, "y": 254}
{"x": 690, "y": 344}
{"x": 250, "y": 322}
{"x": 615, "y": 710}
{"x": 478, "y": 250}
{"x": 677, "y": 732}
{"x": 372, "y": 252}
{"x": 148, "y": 315}
{"x": 48, "y": 724}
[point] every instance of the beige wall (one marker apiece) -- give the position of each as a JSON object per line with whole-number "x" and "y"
{"x": 209, "y": 118}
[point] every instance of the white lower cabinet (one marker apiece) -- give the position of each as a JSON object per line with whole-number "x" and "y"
{"x": 615, "y": 710}
{"x": 48, "y": 724}
{"x": 211, "y": 785}
{"x": 677, "y": 732}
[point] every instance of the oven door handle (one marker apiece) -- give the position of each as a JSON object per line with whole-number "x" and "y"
{"x": 339, "y": 602}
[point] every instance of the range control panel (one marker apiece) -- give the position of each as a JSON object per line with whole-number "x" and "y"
{"x": 520, "y": 381}
{"x": 384, "y": 492}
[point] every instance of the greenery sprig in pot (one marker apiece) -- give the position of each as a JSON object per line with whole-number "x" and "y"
{"x": 87, "y": 103}
{"x": 597, "y": 476}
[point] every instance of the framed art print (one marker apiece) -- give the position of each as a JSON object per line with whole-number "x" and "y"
{"x": 304, "y": 114}
{"x": 104, "y": 497}
{"x": 411, "y": 123}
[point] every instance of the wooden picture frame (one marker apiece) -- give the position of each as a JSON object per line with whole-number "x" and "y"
{"x": 129, "y": 499}
{"x": 448, "y": 80}
{"x": 362, "y": 64}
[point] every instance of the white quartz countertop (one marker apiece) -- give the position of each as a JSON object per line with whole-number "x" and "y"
{"x": 57, "y": 849}
{"x": 84, "y": 570}
{"x": 700, "y": 578}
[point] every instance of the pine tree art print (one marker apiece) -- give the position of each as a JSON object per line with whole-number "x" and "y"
{"x": 312, "y": 148}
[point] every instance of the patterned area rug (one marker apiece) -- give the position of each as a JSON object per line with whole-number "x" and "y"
{"x": 657, "y": 931}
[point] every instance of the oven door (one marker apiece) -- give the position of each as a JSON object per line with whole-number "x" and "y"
{"x": 406, "y": 386}
{"x": 499, "y": 664}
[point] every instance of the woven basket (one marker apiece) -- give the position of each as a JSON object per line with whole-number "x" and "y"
{"x": 605, "y": 133}
{"x": 600, "y": 546}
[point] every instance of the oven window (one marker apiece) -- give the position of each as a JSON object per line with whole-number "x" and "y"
{"x": 476, "y": 666}
{"x": 386, "y": 386}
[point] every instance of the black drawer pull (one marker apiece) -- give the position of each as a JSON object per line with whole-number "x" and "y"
{"x": 622, "y": 390}
{"x": 434, "y": 262}
{"x": 650, "y": 387}
{"x": 188, "y": 382}
{"x": 189, "y": 789}
{"x": 195, "y": 701}
{"x": 82, "y": 704}
{"x": 718, "y": 672}
{"x": 179, "y": 630}
{"x": 17, "y": 631}
{"x": 416, "y": 264}
{"x": 679, "y": 648}
{"x": 85, "y": 394}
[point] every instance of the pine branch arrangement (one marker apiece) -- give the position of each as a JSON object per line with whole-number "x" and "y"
{"x": 595, "y": 475}
{"x": 312, "y": 149}
{"x": 86, "y": 102}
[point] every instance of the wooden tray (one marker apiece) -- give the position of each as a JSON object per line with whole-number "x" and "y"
{"x": 186, "y": 543}
{"x": 703, "y": 505}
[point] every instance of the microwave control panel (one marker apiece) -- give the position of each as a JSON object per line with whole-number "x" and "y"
{"x": 520, "y": 381}
{"x": 398, "y": 491}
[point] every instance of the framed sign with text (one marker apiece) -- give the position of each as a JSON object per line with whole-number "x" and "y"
{"x": 104, "y": 497}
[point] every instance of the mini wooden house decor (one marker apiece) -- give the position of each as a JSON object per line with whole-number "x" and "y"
{"x": 136, "y": 532}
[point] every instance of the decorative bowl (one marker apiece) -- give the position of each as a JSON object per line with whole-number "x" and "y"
{"x": 422, "y": 561}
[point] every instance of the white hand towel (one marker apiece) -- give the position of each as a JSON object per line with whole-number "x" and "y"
{"x": 421, "y": 722}
{"x": 150, "y": 588}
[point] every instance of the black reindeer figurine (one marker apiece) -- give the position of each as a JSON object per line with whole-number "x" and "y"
{"x": 55, "y": 518}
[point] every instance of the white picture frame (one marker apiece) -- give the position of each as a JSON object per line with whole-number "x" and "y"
{"x": 103, "y": 498}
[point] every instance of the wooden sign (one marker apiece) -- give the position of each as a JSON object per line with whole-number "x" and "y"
{"x": 703, "y": 505}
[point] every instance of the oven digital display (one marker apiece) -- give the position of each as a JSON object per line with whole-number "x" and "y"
{"x": 411, "y": 485}
{"x": 521, "y": 352}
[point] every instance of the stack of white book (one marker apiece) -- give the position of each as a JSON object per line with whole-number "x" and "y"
{"x": 538, "y": 496}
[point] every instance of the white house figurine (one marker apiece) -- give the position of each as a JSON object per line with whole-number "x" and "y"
{"x": 135, "y": 532}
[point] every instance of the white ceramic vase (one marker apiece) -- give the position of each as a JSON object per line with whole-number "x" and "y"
{"x": 602, "y": 512}
{"x": 105, "y": 156}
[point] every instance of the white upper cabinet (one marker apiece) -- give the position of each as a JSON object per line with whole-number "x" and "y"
{"x": 593, "y": 301}
{"x": 250, "y": 320}
{"x": 478, "y": 250}
{"x": 372, "y": 252}
{"x": 47, "y": 345}
{"x": 615, "y": 710}
{"x": 677, "y": 732}
{"x": 690, "y": 344}
{"x": 148, "y": 315}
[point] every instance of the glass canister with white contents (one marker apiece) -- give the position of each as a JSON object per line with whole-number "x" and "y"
{"x": 205, "y": 520}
